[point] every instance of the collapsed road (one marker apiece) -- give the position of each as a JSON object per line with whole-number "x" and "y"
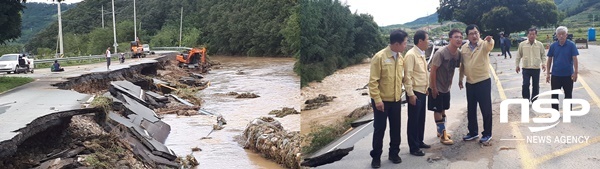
{"x": 157, "y": 78}
{"x": 41, "y": 112}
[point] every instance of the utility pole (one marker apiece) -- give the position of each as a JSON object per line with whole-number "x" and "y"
{"x": 102, "y": 16}
{"x": 134, "y": 22}
{"x": 114, "y": 27}
{"x": 180, "y": 26}
{"x": 60, "y": 36}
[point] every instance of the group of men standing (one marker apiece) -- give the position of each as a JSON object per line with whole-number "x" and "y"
{"x": 428, "y": 85}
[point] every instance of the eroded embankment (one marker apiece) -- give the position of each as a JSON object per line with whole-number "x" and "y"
{"x": 71, "y": 139}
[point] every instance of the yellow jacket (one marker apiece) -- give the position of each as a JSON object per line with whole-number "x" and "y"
{"x": 475, "y": 64}
{"x": 385, "y": 79}
{"x": 532, "y": 55}
{"x": 416, "y": 76}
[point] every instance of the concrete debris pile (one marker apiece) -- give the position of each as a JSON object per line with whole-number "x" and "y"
{"x": 139, "y": 125}
{"x": 284, "y": 112}
{"x": 318, "y": 102}
{"x": 267, "y": 137}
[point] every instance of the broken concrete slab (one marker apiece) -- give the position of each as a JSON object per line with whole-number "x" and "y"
{"x": 59, "y": 163}
{"x": 196, "y": 75}
{"x": 363, "y": 120}
{"x": 129, "y": 89}
{"x": 159, "y": 130}
{"x": 205, "y": 112}
{"x": 181, "y": 100}
{"x": 339, "y": 148}
{"x": 157, "y": 96}
{"x": 132, "y": 106}
{"x": 143, "y": 136}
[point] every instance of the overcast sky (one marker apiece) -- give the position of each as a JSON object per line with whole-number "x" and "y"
{"x": 51, "y": 1}
{"x": 389, "y": 12}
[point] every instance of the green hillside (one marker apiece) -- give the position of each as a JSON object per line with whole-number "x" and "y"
{"x": 37, "y": 16}
{"x": 233, "y": 27}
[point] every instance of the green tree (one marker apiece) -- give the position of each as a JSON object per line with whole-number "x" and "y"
{"x": 100, "y": 39}
{"x": 333, "y": 38}
{"x": 494, "y": 16}
{"x": 10, "y": 20}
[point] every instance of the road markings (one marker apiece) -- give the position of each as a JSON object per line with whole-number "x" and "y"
{"x": 527, "y": 161}
{"x": 567, "y": 150}
{"x": 578, "y": 146}
{"x": 498, "y": 84}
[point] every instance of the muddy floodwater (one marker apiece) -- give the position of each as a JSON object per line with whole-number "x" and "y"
{"x": 342, "y": 84}
{"x": 272, "y": 79}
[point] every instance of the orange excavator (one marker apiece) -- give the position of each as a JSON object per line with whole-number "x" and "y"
{"x": 195, "y": 58}
{"x": 137, "y": 51}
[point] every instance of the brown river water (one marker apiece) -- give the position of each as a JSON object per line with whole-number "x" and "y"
{"x": 342, "y": 84}
{"x": 272, "y": 79}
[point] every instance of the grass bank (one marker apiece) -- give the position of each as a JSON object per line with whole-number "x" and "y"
{"x": 7, "y": 83}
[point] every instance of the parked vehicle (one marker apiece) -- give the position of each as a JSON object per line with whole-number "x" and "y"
{"x": 16, "y": 63}
{"x": 146, "y": 49}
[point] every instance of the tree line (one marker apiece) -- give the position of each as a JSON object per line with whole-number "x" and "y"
{"x": 332, "y": 37}
{"x": 225, "y": 27}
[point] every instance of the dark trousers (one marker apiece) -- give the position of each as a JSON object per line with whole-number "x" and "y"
{"x": 392, "y": 113}
{"x": 507, "y": 49}
{"x": 534, "y": 76}
{"x": 503, "y": 50}
{"x": 416, "y": 122}
{"x": 479, "y": 93}
{"x": 564, "y": 82}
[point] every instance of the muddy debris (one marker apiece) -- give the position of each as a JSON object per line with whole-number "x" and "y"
{"x": 313, "y": 106}
{"x": 267, "y": 137}
{"x": 188, "y": 162}
{"x": 196, "y": 149}
{"x": 361, "y": 111}
{"x": 247, "y": 95}
{"x": 191, "y": 81}
{"x": 220, "y": 123}
{"x": 318, "y": 102}
{"x": 242, "y": 95}
{"x": 364, "y": 87}
{"x": 434, "y": 159}
{"x": 240, "y": 72}
{"x": 284, "y": 112}
{"x": 181, "y": 110}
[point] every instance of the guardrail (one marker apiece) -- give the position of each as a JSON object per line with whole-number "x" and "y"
{"x": 100, "y": 57}
{"x": 79, "y": 58}
{"x": 171, "y": 48}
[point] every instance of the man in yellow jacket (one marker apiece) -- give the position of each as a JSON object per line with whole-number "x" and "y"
{"x": 385, "y": 88}
{"x": 416, "y": 82}
{"x": 475, "y": 65}
{"x": 531, "y": 52}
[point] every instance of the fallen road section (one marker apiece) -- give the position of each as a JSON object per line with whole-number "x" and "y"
{"x": 9, "y": 146}
{"x": 31, "y": 109}
{"x": 138, "y": 124}
{"x": 339, "y": 148}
